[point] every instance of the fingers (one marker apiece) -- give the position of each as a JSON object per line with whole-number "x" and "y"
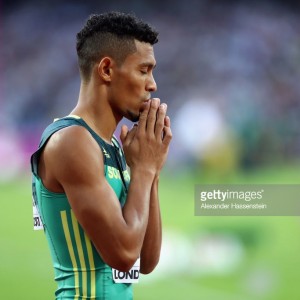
{"x": 160, "y": 120}
{"x": 127, "y": 136}
{"x": 151, "y": 120}
{"x": 167, "y": 121}
{"x": 167, "y": 132}
{"x": 143, "y": 117}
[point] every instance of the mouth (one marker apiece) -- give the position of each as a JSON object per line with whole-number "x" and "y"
{"x": 143, "y": 104}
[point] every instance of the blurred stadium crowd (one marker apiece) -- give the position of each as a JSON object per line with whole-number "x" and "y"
{"x": 229, "y": 73}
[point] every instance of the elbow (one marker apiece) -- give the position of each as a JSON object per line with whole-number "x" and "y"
{"x": 124, "y": 265}
{"x": 123, "y": 262}
{"x": 146, "y": 271}
{"x": 148, "y": 266}
{"x": 118, "y": 256}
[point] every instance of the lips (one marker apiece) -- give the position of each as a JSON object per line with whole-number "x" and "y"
{"x": 143, "y": 105}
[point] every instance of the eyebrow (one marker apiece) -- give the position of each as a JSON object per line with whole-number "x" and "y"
{"x": 148, "y": 65}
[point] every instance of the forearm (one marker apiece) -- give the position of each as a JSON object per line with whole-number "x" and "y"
{"x": 136, "y": 209}
{"x": 152, "y": 242}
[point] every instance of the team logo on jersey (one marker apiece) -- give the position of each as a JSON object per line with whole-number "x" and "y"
{"x": 105, "y": 153}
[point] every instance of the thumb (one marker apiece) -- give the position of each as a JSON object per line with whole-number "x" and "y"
{"x": 130, "y": 134}
{"x": 123, "y": 134}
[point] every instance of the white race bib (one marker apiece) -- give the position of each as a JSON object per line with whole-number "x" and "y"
{"x": 132, "y": 276}
{"x": 37, "y": 221}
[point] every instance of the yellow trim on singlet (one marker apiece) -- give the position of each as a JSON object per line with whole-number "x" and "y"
{"x": 92, "y": 266}
{"x": 63, "y": 215}
{"x": 80, "y": 253}
{"x": 72, "y": 116}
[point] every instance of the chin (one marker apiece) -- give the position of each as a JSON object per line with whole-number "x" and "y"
{"x": 132, "y": 116}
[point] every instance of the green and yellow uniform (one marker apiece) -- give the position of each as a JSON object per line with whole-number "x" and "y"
{"x": 80, "y": 271}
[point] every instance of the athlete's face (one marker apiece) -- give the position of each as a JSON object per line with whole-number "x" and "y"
{"x": 133, "y": 82}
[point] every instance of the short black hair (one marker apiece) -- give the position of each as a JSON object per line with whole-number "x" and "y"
{"x": 110, "y": 34}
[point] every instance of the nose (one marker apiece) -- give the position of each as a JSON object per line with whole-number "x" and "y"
{"x": 151, "y": 84}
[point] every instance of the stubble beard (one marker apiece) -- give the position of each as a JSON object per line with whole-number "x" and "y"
{"x": 133, "y": 117}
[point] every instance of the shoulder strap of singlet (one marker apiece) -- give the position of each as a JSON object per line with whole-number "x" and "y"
{"x": 56, "y": 126}
{"x": 121, "y": 162}
{"x": 120, "y": 151}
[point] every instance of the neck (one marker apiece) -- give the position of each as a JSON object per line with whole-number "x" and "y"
{"x": 93, "y": 107}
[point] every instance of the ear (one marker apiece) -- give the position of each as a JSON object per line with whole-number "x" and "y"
{"x": 104, "y": 69}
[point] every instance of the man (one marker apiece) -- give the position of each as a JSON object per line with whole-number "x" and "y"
{"x": 97, "y": 224}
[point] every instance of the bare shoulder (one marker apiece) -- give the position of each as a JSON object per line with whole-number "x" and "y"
{"x": 71, "y": 155}
{"x": 72, "y": 139}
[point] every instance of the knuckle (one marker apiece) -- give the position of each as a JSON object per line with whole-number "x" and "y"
{"x": 161, "y": 115}
{"x": 140, "y": 134}
{"x": 168, "y": 136}
{"x": 144, "y": 113}
{"x": 149, "y": 138}
{"x": 160, "y": 121}
{"x": 143, "y": 116}
{"x": 151, "y": 117}
{"x": 153, "y": 110}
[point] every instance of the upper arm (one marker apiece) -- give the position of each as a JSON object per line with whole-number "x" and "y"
{"x": 76, "y": 162}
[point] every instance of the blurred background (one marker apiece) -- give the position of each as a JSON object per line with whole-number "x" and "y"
{"x": 230, "y": 73}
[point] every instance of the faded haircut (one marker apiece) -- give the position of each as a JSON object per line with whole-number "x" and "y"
{"x": 111, "y": 34}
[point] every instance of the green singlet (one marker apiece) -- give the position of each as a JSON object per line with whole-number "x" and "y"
{"x": 80, "y": 272}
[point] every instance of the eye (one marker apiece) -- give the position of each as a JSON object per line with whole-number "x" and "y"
{"x": 144, "y": 72}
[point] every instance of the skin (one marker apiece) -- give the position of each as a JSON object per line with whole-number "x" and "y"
{"x": 72, "y": 161}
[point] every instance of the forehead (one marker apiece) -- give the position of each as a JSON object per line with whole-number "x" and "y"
{"x": 143, "y": 55}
